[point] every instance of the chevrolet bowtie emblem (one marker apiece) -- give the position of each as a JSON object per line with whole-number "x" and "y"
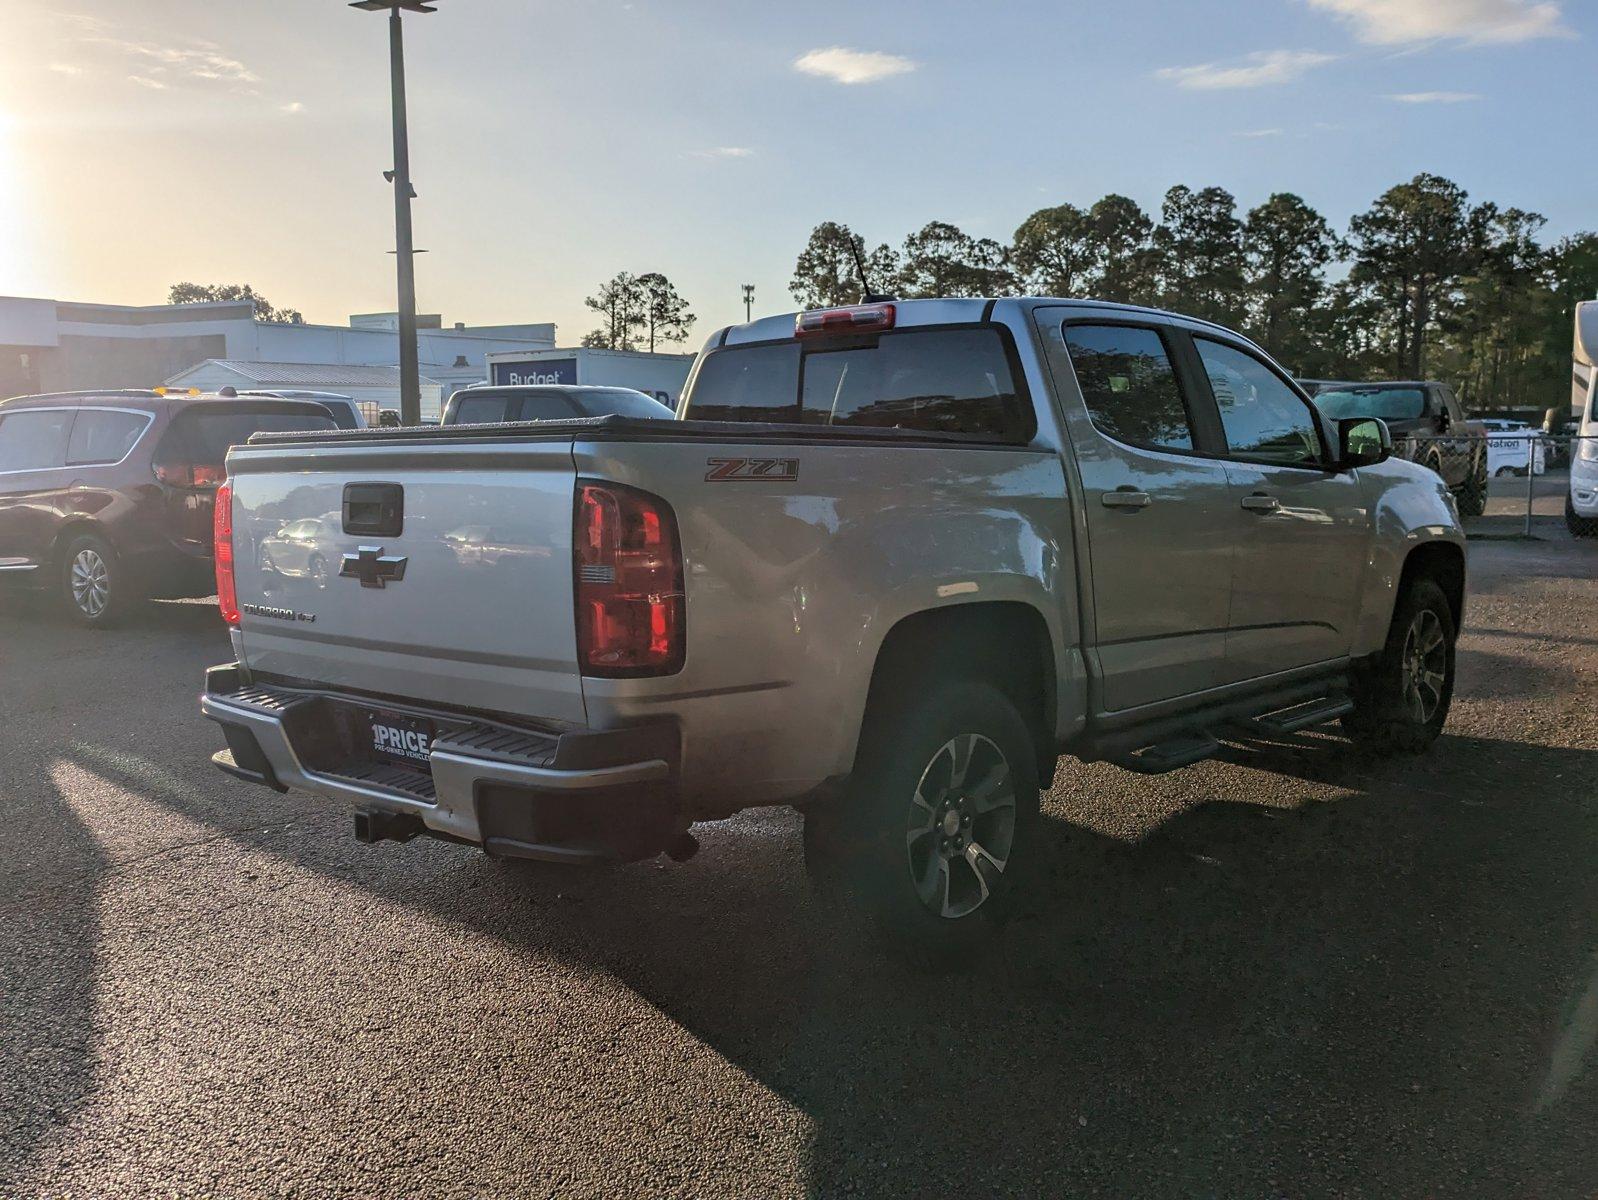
{"x": 372, "y": 567}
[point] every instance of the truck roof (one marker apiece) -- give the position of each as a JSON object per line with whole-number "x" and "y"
{"x": 949, "y": 311}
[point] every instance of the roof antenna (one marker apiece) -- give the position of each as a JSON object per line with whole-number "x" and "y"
{"x": 869, "y": 297}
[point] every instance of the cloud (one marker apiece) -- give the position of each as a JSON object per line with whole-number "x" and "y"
{"x": 147, "y": 81}
{"x": 1434, "y": 97}
{"x": 1260, "y": 133}
{"x": 724, "y": 152}
{"x": 66, "y": 68}
{"x": 293, "y": 106}
{"x": 1260, "y": 69}
{"x": 852, "y": 66}
{"x": 1401, "y": 22}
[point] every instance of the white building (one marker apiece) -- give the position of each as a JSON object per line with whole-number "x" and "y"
{"x": 52, "y": 345}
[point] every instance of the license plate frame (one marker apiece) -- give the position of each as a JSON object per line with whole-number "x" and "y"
{"x": 399, "y": 739}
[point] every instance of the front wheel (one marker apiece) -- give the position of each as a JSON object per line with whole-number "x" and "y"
{"x": 1401, "y": 696}
{"x": 1579, "y": 525}
{"x": 938, "y": 823}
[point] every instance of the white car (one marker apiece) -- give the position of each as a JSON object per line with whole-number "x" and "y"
{"x": 1508, "y": 450}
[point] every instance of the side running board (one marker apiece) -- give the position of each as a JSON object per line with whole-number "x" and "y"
{"x": 1175, "y": 747}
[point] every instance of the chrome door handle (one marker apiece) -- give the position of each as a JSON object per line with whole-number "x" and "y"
{"x": 1261, "y": 503}
{"x": 1125, "y": 498}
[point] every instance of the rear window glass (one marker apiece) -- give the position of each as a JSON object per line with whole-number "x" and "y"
{"x": 1129, "y": 385}
{"x": 1390, "y": 404}
{"x": 103, "y": 436}
{"x": 479, "y": 410}
{"x": 30, "y": 441}
{"x": 206, "y": 436}
{"x": 943, "y": 380}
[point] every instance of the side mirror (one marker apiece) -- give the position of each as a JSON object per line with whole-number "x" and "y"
{"x": 1363, "y": 442}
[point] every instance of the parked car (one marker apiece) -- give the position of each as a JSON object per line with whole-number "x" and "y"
{"x": 1428, "y": 426}
{"x": 345, "y": 412}
{"x": 486, "y": 405}
{"x": 106, "y": 497}
{"x": 895, "y": 560}
{"x": 1512, "y": 446}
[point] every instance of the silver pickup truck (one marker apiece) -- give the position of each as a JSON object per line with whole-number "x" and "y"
{"x": 888, "y": 564}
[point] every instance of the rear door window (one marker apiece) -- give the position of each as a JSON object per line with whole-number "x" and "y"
{"x": 34, "y": 440}
{"x": 547, "y": 406}
{"x": 488, "y": 409}
{"x": 1130, "y": 386}
{"x": 103, "y": 436}
{"x": 936, "y": 380}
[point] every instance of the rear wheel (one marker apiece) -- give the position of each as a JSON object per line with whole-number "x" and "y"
{"x": 1472, "y": 495}
{"x": 92, "y": 584}
{"x": 938, "y": 823}
{"x": 1579, "y": 525}
{"x": 1402, "y": 695}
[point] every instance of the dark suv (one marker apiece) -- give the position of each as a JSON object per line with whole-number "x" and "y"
{"x": 106, "y": 497}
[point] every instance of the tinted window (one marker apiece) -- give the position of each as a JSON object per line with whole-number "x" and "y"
{"x": 547, "y": 406}
{"x": 623, "y": 402}
{"x": 1390, "y": 404}
{"x": 1263, "y": 417}
{"x": 479, "y": 410}
{"x": 1129, "y": 385}
{"x": 747, "y": 383}
{"x": 951, "y": 381}
{"x": 31, "y": 440}
{"x": 205, "y": 436}
{"x": 946, "y": 380}
{"x": 103, "y": 436}
{"x": 343, "y": 413}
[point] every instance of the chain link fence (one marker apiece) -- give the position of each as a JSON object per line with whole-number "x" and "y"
{"x": 1516, "y": 483}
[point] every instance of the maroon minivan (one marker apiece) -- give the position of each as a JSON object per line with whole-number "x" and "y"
{"x": 106, "y": 497}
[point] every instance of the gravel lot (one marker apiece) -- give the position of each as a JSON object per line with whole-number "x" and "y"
{"x": 1289, "y": 973}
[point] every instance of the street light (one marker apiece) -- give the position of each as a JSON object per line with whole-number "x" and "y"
{"x": 749, "y": 300}
{"x": 400, "y": 177}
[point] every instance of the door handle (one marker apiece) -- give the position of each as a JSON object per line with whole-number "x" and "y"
{"x": 1125, "y": 497}
{"x": 1261, "y": 503}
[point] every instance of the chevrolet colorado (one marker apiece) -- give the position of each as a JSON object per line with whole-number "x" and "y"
{"x": 888, "y": 564}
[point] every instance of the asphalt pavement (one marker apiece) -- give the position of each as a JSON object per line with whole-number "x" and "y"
{"x": 1292, "y": 972}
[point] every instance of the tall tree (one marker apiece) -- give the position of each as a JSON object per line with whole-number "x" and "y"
{"x": 942, "y": 260}
{"x": 825, "y": 275}
{"x": 1126, "y": 267}
{"x": 1409, "y": 250}
{"x": 1055, "y": 251}
{"x": 1287, "y": 246}
{"x": 621, "y": 304}
{"x": 666, "y": 315}
{"x": 1200, "y": 242}
{"x": 194, "y": 293}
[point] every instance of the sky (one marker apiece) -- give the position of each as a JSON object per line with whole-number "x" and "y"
{"x": 554, "y": 144}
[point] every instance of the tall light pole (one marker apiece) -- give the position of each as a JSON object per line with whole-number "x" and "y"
{"x": 749, "y": 301}
{"x": 400, "y": 177}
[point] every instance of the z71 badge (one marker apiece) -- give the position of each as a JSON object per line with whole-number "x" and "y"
{"x": 735, "y": 470}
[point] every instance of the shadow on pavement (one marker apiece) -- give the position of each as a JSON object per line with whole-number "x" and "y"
{"x": 1354, "y": 995}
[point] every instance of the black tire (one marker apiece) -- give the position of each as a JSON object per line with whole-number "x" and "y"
{"x": 91, "y": 584}
{"x": 937, "y": 892}
{"x": 1434, "y": 463}
{"x": 1578, "y": 525}
{"x": 1472, "y": 496}
{"x": 1390, "y": 715}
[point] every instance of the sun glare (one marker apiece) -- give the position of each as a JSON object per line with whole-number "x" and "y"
{"x": 14, "y": 258}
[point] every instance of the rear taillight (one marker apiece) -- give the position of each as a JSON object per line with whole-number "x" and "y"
{"x": 189, "y": 475}
{"x": 227, "y": 595}
{"x": 630, "y": 610}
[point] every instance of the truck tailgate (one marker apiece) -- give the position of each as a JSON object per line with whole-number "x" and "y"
{"x": 469, "y": 605}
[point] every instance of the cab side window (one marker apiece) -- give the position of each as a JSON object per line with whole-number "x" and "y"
{"x": 1263, "y": 418}
{"x": 32, "y": 441}
{"x": 103, "y": 436}
{"x": 1129, "y": 385}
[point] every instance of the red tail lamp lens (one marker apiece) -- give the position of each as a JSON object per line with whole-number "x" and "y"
{"x": 630, "y": 604}
{"x": 227, "y": 595}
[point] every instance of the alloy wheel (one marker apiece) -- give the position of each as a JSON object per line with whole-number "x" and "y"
{"x": 91, "y": 583}
{"x": 1424, "y": 666}
{"x": 960, "y": 830}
